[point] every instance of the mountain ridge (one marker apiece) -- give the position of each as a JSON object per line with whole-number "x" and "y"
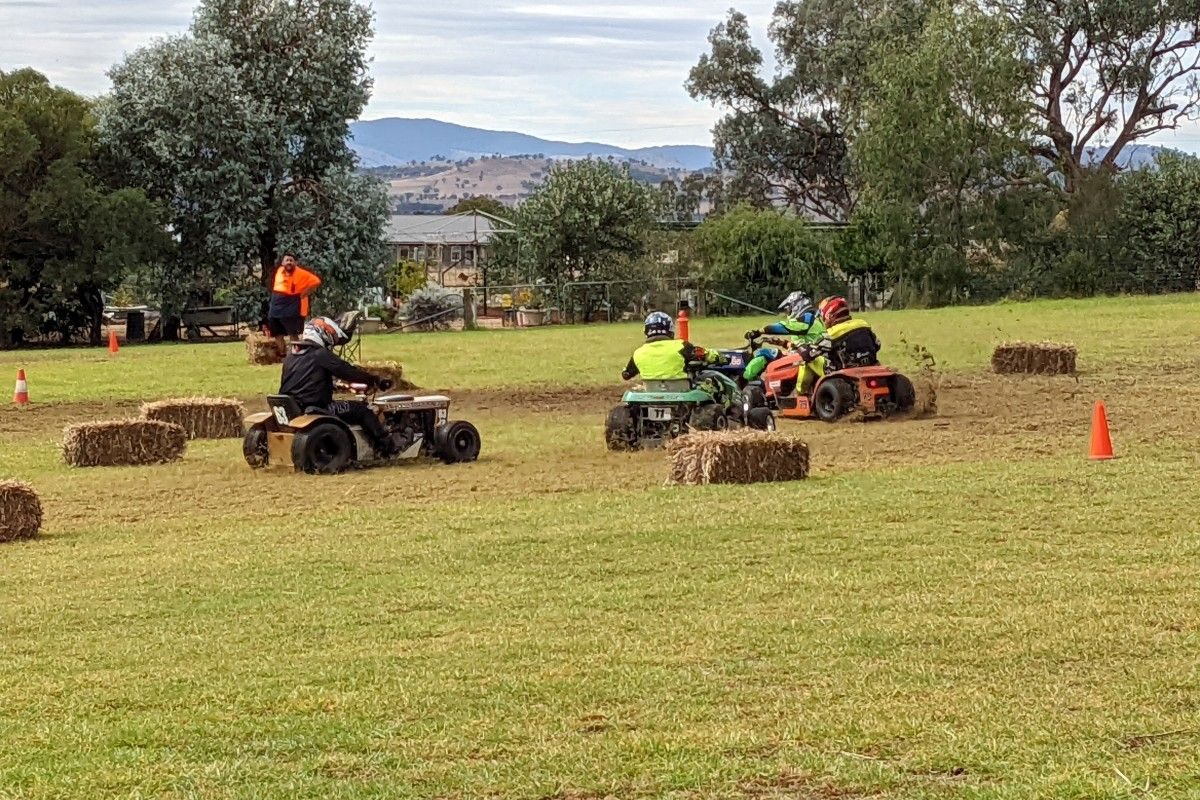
{"x": 393, "y": 141}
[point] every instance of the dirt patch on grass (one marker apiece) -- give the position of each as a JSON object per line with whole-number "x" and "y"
{"x": 540, "y": 400}
{"x": 532, "y": 445}
{"x": 36, "y": 419}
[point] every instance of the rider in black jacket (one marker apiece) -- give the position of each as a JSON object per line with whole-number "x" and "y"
{"x": 308, "y": 373}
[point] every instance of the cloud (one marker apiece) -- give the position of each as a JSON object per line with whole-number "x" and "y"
{"x": 577, "y": 70}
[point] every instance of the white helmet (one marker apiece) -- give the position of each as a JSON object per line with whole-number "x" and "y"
{"x": 323, "y": 332}
{"x": 796, "y": 304}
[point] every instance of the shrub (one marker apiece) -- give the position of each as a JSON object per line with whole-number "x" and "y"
{"x": 433, "y": 308}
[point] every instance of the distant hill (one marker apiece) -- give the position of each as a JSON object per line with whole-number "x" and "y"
{"x": 430, "y": 186}
{"x": 396, "y": 141}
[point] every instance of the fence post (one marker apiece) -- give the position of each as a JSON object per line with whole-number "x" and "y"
{"x": 469, "y": 323}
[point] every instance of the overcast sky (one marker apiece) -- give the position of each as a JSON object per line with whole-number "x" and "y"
{"x": 573, "y": 69}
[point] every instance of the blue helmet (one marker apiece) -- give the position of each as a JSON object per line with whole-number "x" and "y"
{"x": 659, "y": 324}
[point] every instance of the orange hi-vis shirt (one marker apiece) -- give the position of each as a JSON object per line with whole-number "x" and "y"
{"x": 289, "y": 297}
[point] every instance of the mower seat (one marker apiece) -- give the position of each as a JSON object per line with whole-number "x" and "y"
{"x": 682, "y": 385}
{"x": 348, "y": 322}
{"x": 284, "y": 408}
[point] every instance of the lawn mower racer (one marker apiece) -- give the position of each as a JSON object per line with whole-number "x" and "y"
{"x": 309, "y": 371}
{"x": 845, "y": 342}
{"x": 307, "y": 430}
{"x": 801, "y": 326}
{"x": 663, "y": 357}
{"x": 680, "y": 392}
{"x": 833, "y": 376}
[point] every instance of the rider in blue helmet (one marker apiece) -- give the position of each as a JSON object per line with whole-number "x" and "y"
{"x": 663, "y": 357}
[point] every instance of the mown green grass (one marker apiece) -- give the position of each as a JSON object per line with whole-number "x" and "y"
{"x": 552, "y": 622}
{"x": 1107, "y": 330}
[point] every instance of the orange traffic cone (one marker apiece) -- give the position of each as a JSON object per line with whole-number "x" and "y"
{"x": 1101, "y": 449}
{"x": 112, "y": 341}
{"x": 681, "y": 323}
{"x": 21, "y": 393}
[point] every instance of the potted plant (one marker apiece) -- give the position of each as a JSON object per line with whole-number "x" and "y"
{"x": 531, "y": 309}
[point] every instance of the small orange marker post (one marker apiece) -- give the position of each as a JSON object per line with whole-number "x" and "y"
{"x": 21, "y": 393}
{"x": 1101, "y": 448}
{"x": 112, "y": 342}
{"x": 681, "y": 323}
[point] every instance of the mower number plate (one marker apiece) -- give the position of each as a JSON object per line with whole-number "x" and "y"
{"x": 658, "y": 414}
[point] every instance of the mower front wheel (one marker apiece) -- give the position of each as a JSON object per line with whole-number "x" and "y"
{"x": 754, "y": 397}
{"x": 832, "y": 400}
{"x": 709, "y": 418}
{"x": 254, "y": 448}
{"x": 324, "y": 449}
{"x": 458, "y": 442}
{"x": 761, "y": 419}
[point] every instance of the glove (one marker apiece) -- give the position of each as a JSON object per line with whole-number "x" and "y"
{"x": 753, "y": 334}
{"x": 384, "y": 385}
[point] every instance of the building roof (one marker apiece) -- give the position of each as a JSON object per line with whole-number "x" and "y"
{"x": 473, "y": 227}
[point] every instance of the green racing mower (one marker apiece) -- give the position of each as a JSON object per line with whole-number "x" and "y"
{"x": 656, "y": 411}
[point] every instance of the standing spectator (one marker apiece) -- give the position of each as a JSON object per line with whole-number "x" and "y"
{"x": 289, "y": 301}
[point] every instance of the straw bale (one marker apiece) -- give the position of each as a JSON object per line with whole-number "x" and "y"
{"x": 20, "y": 511}
{"x": 262, "y": 350}
{"x": 1034, "y": 358}
{"x": 123, "y": 443}
{"x": 392, "y": 370}
{"x": 200, "y": 417}
{"x": 742, "y": 456}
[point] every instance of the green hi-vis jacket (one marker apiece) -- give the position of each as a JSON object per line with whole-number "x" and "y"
{"x": 663, "y": 360}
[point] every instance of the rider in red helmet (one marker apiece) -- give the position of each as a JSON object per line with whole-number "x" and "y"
{"x": 847, "y": 342}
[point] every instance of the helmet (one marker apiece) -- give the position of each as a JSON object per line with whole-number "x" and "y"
{"x": 834, "y": 310}
{"x": 796, "y": 305}
{"x": 323, "y": 332}
{"x": 659, "y": 324}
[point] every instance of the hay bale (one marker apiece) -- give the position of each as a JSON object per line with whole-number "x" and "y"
{"x": 392, "y": 370}
{"x": 123, "y": 443}
{"x": 20, "y": 511}
{"x": 261, "y": 350}
{"x": 200, "y": 417}
{"x": 742, "y": 456}
{"x": 1034, "y": 358}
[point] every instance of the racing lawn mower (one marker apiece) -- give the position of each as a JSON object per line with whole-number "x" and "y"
{"x": 287, "y": 438}
{"x": 875, "y": 392}
{"x": 656, "y": 411}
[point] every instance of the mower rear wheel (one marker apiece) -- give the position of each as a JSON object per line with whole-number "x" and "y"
{"x": 458, "y": 442}
{"x": 619, "y": 431}
{"x": 709, "y": 418}
{"x": 254, "y": 448}
{"x": 324, "y": 449}
{"x": 904, "y": 396}
{"x": 832, "y": 400}
{"x": 761, "y": 419}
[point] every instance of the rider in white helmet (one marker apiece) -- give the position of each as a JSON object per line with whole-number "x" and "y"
{"x": 308, "y": 374}
{"x": 801, "y": 324}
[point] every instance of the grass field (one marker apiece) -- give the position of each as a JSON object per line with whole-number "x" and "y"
{"x": 953, "y": 607}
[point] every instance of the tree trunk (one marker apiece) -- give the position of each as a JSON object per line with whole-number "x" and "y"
{"x": 268, "y": 255}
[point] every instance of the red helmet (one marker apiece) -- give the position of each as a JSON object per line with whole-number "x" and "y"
{"x": 834, "y": 310}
